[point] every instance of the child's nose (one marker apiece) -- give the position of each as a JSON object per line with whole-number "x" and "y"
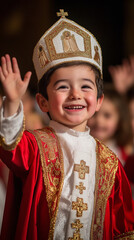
{"x": 74, "y": 94}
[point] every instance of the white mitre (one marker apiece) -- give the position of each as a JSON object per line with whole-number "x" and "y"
{"x": 65, "y": 41}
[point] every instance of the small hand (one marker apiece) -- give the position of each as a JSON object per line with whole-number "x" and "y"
{"x": 123, "y": 75}
{"x": 13, "y": 86}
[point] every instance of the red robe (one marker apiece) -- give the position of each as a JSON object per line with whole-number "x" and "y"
{"x": 35, "y": 185}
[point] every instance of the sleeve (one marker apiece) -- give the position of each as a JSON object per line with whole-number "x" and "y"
{"x": 21, "y": 155}
{"x": 10, "y": 127}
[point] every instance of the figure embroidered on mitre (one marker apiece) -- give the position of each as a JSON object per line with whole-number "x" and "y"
{"x": 96, "y": 55}
{"x": 42, "y": 56}
{"x": 69, "y": 42}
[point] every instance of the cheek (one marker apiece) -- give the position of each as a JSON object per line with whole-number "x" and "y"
{"x": 91, "y": 100}
{"x": 56, "y": 102}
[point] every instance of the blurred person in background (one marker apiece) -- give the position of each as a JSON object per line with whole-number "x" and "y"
{"x": 123, "y": 75}
{"x": 129, "y": 166}
{"x": 112, "y": 124}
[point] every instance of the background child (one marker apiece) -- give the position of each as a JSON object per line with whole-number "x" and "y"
{"x": 112, "y": 124}
{"x": 61, "y": 171}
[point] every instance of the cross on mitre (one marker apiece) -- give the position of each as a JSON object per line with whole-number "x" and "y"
{"x": 62, "y": 13}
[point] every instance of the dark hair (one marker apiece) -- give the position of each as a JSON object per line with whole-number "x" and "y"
{"x": 123, "y": 134}
{"x": 43, "y": 83}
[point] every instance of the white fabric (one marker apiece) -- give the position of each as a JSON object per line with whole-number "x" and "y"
{"x": 76, "y": 146}
{"x": 11, "y": 126}
{"x": 2, "y": 201}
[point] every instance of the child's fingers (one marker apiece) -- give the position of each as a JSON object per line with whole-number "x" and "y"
{"x": 9, "y": 65}
{"x": 2, "y": 77}
{"x": 27, "y": 77}
{"x": 15, "y": 65}
{"x": 4, "y": 66}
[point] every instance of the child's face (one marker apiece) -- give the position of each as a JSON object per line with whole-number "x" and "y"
{"x": 104, "y": 124}
{"x": 72, "y": 96}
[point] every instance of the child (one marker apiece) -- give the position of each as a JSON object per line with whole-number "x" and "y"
{"x": 63, "y": 184}
{"x": 112, "y": 124}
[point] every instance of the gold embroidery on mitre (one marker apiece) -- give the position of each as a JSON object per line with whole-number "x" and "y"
{"x": 79, "y": 206}
{"x": 82, "y": 169}
{"x": 76, "y": 236}
{"x": 73, "y": 28}
{"x": 80, "y": 187}
{"x": 53, "y": 170}
{"x": 125, "y": 236}
{"x": 106, "y": 168}
{"x": 42, "y": 57}
{"x": 97, "y": 55}
{"x": 69, "y": 42}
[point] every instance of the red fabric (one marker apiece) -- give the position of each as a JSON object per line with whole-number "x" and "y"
{"x": 124, "y": 155}
{"x": 119, "y": 216}
{"x": 26, "y": 214}
{"x": 129, "y": 168}
{"x": 3, "y": 173}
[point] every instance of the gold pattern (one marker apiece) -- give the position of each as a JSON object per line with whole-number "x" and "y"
{"x": 10, "y": 147}
{"x": 62, "y": 13}
{"x": 77, "y": 225}
{"x": 53, "y": 170}
{"x": 97, "y": 55}
{"x": 79, "y": 206}
{"x": 106, "y": 168}
{"x": 125, "y": 236}
{"x": 76, "y": 236}
{"x": 81, "y": 187}
{"x": 65, "y": 25}
{"x": 42, "y": 57}
{"x": 69, "y": 42}
{"x": 82, "y": 169}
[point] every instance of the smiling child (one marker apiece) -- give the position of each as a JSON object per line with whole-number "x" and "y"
{"x": 63, "y": 183}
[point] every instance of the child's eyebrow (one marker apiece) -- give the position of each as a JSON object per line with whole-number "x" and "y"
{"x": 61, "y": 80}
{"x": 89, "y": 80}
{"x": 65, "y": 80}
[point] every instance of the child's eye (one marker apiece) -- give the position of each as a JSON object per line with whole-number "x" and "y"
{"x": 86, "y": 87}
{"x": 62, "y": 87}
{"x": 107, "y": 115}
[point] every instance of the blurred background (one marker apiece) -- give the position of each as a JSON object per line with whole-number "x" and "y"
{"x": 23, "y": 22}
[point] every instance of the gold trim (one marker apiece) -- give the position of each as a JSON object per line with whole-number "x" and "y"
{"x": 10, "y": 147}
{"x": 106, "y": 168}
{"x": 53, "y": 170}
{"x": 125, "y": 236}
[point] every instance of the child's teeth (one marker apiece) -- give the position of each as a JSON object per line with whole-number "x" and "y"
{"x": 75, "y": 107}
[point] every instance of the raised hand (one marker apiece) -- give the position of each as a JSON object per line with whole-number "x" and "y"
{"x": 14, "y": 87}
{"x": 123, "y": 75}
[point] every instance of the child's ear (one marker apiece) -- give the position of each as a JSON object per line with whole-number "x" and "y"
{"x": 42, "y": 102}
{"x": 99, "y": 102}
